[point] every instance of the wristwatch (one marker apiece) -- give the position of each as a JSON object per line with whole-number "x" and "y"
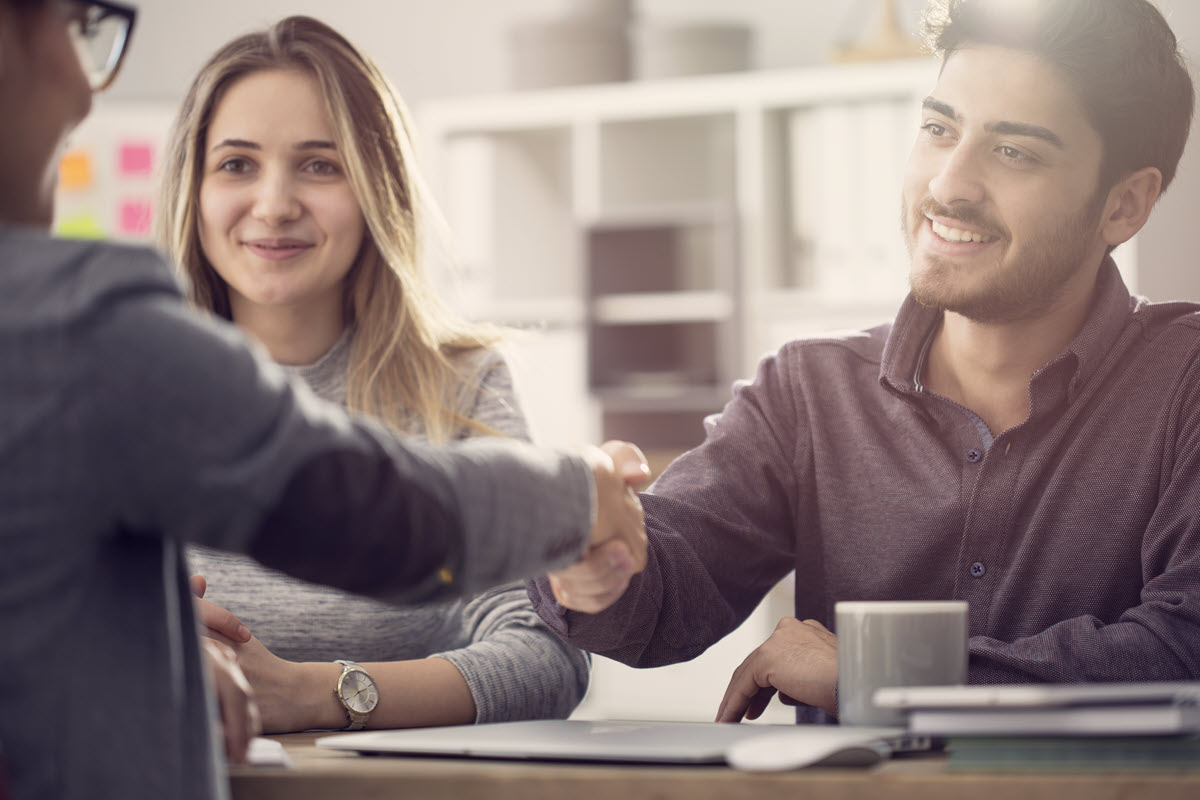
{"x": 357, "y": 693}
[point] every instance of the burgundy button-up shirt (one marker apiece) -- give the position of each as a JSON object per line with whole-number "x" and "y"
{"x": 1075, "y": 536}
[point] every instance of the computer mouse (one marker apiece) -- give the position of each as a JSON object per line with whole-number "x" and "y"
{"x": 806, "y": 747}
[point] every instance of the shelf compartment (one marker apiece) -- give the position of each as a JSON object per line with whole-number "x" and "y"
{"x": 692, "y": 254}
{"x": 663, "y": 355}
{"x": 671, "y": 431}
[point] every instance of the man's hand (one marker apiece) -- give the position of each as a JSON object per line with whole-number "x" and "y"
{"x": 617, "y": 547}
{"x": 239, "y": 715}
{"x": 799, "y": 661}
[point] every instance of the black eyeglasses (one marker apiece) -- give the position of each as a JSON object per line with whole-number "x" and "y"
{"x": 100, "y": 31}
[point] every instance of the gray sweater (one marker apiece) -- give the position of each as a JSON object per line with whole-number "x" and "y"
{"x": 129, "y": 425}
{"x": 515, "y": 666}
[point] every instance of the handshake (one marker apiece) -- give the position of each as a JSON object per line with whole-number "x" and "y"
{"x": 617, "y": 545}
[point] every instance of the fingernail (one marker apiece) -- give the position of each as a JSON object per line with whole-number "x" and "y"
{"x": 243, "y": 633}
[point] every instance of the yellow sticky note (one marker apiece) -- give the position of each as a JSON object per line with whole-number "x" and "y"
{"x": 75, "y": 170}
{"x": 84, "y": 225}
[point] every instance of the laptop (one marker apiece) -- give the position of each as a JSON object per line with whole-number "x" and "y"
{"x": 747, "y": 745}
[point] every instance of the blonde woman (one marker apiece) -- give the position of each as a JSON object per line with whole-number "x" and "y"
{"x": 294, "y": 207}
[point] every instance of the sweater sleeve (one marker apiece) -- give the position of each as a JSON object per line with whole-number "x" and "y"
{"x": 515, "y": 666}
{"x": 207, "y": 441}
{"x": 496, "y": 404}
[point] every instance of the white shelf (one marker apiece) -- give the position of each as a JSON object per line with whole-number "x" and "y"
{"x": 656, "y": 215}
{"x": 662, "y": 308}
{"x": 551, "y": 311}
{"x": 666, "y": 396}
{"x": 693, "y": 96}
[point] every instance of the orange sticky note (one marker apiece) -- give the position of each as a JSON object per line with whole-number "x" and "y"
{"x": 75, "y": 170}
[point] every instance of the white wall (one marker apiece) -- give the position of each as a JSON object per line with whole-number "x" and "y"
{"x": 434, "y": 48}
{"x": 1167, "y": 263}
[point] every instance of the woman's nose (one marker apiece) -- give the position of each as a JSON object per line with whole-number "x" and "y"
{"x": 275, "y": 200}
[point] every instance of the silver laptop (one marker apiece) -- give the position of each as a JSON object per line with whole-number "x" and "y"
{"x": 785, "y": 746}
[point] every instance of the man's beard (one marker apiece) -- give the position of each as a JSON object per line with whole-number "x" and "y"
{"x": 1021, "y": 287}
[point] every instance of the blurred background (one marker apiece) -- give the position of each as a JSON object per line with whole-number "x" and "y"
{"x": 658, "y": 192}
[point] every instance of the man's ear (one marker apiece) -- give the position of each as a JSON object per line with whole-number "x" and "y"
{"x": 1129, "y": 204}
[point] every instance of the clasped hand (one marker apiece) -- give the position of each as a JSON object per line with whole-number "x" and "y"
{"x": 617, "y": 546}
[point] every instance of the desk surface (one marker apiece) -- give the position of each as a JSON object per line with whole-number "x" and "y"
{"x": 323, "y": 774}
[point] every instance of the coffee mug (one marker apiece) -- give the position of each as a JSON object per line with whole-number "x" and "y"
{"x": 896, "y": 643}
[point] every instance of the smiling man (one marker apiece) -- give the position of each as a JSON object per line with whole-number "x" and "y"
{"x": 1025, "y": 435}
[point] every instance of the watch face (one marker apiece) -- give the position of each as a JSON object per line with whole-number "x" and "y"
{"x": 358, "y": 691}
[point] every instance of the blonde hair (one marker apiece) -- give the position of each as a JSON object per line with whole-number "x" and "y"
{"x": 404, "y": 336}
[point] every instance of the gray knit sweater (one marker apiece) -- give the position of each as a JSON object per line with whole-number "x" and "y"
{"x": 515, "y": 666}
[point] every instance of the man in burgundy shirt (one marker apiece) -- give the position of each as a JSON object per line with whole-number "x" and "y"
{"x": 1024, "y": 436}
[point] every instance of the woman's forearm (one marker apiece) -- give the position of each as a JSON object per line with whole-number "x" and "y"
{"x": 416, "y": 693}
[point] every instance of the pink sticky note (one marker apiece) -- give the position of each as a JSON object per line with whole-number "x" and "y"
{"x": 133, "y": 217}
{"x": 135, "y": 158}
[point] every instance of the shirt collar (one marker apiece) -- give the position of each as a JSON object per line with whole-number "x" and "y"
{"x": 1111, "y": 310}
{"x": 908, "y": 341}
{"x": 906, "y": 346}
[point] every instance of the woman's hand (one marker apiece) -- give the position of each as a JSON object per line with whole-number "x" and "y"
{"x": 290, "y": 696}
{"x": 216, "y": 622}
{"x": 239, "y": 716}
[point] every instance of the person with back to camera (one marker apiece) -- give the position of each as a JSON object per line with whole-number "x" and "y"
{"x": 1025, "y": 435}
{"x": 130, "y": 425}
{"x": 292, "y": 202}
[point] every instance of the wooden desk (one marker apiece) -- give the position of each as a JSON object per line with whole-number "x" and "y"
{"x": 335, "y": 775}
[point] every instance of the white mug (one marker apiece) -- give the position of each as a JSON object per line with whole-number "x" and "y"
{"x": 896, "y": 643}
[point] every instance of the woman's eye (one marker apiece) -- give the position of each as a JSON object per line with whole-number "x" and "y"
{"x": 323, "y": 168}
{"x": 234, "y": 166}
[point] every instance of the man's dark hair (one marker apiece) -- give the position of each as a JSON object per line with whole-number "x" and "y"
{"x": 1120, "y": 56}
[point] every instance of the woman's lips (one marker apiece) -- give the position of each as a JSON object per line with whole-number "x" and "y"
{"x": 277, "y": 249}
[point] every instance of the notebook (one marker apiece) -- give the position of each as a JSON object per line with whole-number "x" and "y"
{"x": 747, "y": 746}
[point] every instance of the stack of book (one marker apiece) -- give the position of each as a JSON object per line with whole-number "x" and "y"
{"x": 1057, "y": 727}
{"x": 1072, "y": 753}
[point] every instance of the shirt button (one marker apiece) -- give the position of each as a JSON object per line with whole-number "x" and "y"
{"x": 974, "y": 455}
{"x": 978, "y": 570}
